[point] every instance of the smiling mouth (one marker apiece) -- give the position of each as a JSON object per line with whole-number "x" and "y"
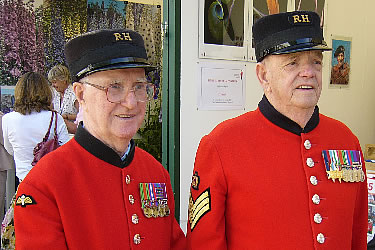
{"x": 305, "y": 87}
{"x": 125, "y": 116}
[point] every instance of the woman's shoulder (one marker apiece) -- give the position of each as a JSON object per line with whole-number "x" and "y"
{"x": 69, "y": 90}
{"x": 10, "y": 114}
{"x": 42, "y": 115}
{"x": 8, "y": 117}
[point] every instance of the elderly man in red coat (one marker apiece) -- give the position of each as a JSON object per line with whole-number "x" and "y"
{"x": 283, "y": 176}
{"x": 100, "y": 191}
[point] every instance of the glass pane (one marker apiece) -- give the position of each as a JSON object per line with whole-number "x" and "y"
{"x": 311, "y": 5}
{"x": 224, "y": 22}
{"x": 261, "y": 8}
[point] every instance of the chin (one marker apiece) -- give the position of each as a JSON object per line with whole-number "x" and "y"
{"x": 307, "y": 102}
{"x": 125, "y": 133}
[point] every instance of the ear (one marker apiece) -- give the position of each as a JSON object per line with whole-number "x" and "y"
{"x": 78, "y": 90}
{"x": 261, "y": 72}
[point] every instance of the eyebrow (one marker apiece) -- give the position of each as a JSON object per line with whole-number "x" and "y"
{"x": 314, "y": 53}
{"x": 144, "y": 79}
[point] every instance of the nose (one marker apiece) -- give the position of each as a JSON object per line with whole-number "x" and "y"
{"x": 130, "y": 100}
{"x": 307, "y": 70}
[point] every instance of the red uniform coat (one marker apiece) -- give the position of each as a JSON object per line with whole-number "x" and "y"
{"x": 82, "y": 196}
{"x": 255, "y": 184}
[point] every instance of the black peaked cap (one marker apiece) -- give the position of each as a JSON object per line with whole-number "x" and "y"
{"x": 288, "y": 32}
{"x": 104, "y": 50}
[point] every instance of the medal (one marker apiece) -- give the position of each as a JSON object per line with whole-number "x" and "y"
{"x": 343, "y": 165}
{"x": 161, "y": 211}
{"x": 345, "y": 175}
{"x": 154, "y": 199}
{"x": 155, "y": 212}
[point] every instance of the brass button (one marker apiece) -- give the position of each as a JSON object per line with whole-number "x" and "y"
{"x": 137, "y": 239}
{"x": 310, "y": 162}
{"x": 320, "y": 238}
{"x": 316, "y": 199}
{"x": 318, "y": 218}
{"x": 131, "y": 199}
{"x": 314, "y": 180}
{"x": 307, "y": 144}
{"x": 127, "y": 179}
{"x": 135, "y": 219}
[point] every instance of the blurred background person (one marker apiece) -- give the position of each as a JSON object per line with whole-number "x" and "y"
{"x": 27, "y": 125}
{"x": 6, "y": 163}
{"x": 64, "y": 100}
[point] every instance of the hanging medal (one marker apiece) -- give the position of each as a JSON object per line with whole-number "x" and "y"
{"x": 154, "y": 199}
{"x": 343, "y": 165}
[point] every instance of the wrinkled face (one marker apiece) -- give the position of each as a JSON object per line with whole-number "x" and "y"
{"x": 293, "y": 82}
{"x": 59, "y": 85}
{"x": 112, "y": 122}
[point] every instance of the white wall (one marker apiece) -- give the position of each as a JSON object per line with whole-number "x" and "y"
{"x": 354, "y": 105}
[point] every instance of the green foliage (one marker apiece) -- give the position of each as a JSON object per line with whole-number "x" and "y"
{"x": 150, "y": 134}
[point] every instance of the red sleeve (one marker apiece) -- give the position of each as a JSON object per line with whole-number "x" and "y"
{"x": 178, "y": 239}
{"x": 206, "y": 224}
{"x": 37, "y": 221}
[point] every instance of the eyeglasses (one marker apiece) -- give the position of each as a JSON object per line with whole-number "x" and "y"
{"x": 116, "y": 93}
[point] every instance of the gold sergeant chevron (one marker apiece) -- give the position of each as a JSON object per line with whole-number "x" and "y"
{"x": 199, "y": 207}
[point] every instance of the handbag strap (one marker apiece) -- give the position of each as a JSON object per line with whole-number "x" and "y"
{"x": 49, "y": 128}
{"x": 55, "y": 129}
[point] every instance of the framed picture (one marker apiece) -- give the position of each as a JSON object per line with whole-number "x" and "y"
{"x": 221, "y": 86}
{"x": 340, "y": 61}
{"x": 223, "y": 29}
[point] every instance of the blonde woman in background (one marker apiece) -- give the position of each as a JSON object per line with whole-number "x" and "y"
{"x": 64, "y": 100}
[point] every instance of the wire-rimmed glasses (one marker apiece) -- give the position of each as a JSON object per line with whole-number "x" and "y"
{"x": 116, "y": 93}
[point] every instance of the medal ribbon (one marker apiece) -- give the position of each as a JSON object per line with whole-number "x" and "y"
{"x": 326, "y": 159}
{"x": 333, "y": 159}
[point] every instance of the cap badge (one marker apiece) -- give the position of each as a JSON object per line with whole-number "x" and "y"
{"x": 25, "y": 200}
{"x": 343, "y": 165}
{"x": 154, "y": 199}
{"x": 199, "y": 207}
{"x": 300, "y": 19}
{"x": 122, "y": 36}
